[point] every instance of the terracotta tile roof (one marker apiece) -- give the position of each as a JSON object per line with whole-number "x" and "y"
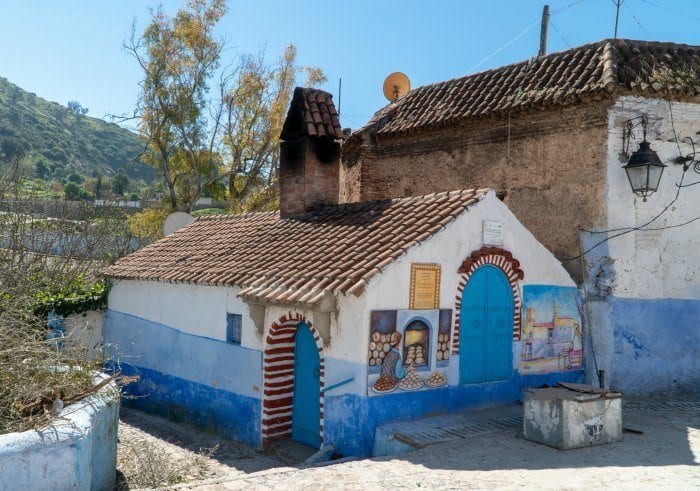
{"x": 595, "y": 70}
{"x": 311, "y": 113}
{"x": 335, "y": 250}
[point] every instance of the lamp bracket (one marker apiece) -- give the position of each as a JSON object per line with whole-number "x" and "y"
{"x": 629, "y": 126}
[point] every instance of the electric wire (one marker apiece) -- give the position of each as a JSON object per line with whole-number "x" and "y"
{"x": 566, "y": 7}
{"x": 522, "y": 33}
{"x": 672, "y": 11}
{"x": 643, "y": 228}
{"x": 559, "y": 33}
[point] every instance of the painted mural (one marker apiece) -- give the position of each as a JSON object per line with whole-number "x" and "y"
{"x": 408, "y": 350}
{"x": 552, "y": 330}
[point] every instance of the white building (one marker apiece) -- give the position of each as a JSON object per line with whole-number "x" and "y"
{"x": 325, "y": 323}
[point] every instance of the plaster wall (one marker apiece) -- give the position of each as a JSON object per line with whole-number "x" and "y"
{"x": 449, "y": 249}
{"x": 78, "y": 451}
{"x": 193, "y": 309}
{"x": 543, "y": 161}
{"x": 643, "y": 287}
{"x": 85, "y": 330}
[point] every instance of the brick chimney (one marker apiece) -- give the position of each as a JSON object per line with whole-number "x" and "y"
{"x": 309, "y": 153}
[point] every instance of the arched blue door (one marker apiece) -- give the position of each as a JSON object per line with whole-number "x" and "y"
{"x": 486, "y": 327}
{"x": 306, "y": 410}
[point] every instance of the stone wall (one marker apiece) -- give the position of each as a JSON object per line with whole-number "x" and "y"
{"x": 77, "y": 451}
{"x": 551, "y": 165}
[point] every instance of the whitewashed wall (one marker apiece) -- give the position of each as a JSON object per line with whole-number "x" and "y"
{"x": 643, "y": 287}
{"x": 192, "y": 309}
{"x": 655, "y": 263}
{"x": 449, "y": 249}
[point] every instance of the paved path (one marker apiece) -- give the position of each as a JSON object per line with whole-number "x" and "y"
{"x": 666, "y": 456}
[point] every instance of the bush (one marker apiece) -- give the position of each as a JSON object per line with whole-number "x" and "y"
{"x": 71, "y": 191}
{"x": 148, "y": 224}
{"x": 76, "y": 178}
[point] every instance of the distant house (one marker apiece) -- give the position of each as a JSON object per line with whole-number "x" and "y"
{"x": 324, "y": 320}
{"x": 551, "y": 135}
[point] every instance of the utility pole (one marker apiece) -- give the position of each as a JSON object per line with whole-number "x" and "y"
{"x": 618, "y": 3}
{"x": 543, "y": 31}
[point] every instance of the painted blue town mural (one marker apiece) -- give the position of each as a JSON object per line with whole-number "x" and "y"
{"x": 552, "y": 330}
{"x": 408, "y": 350}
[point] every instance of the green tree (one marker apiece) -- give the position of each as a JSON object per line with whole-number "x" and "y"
{"x": 77, "y": 109}
{"x": 98, "y": 187}
{"x": 120, "y": 184}
{"x": 178, "y": 56}
{"x": 196, "y": 138}
{"x": 42, "y": 170}
{"x": 76, "y": 178}
{"x": 254, "y": 109}
{"x": 71, "y": 191}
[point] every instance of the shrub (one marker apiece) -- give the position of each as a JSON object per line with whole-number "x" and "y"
{"x": 148, "y": 224}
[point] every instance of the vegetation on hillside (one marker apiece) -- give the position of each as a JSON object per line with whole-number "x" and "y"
{"x": 56, "y": 145}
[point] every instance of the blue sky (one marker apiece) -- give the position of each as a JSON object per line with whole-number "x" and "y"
{"x": 72, "y": 50}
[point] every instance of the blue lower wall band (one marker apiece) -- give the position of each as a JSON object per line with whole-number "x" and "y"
{"x": 226, "y": 413}
{"x": 349, "y": 421}
{"x": 656, "y": 346}
{"x": 211, "y": 384}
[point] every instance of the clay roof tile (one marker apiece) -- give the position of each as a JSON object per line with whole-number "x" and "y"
{"x": 334, "y": 250}
{"x": 606, "y": 67}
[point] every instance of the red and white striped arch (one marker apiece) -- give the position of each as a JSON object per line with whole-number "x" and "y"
{"x": 278, "y": 377}
{"x": 503, "y": 260}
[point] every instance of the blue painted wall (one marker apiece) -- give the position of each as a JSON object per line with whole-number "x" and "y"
{"x": 203, "y": 381}
{"x": 231, "y": 415}
{"x": 350, "y": 420}
{"x": 656, "y": 345}
{"x": 211, "y": 384}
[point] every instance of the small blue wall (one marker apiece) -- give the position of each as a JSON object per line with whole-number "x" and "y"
{"x": 226, "y": 413}
{"x": 656, "y": 345}
{"x": 202, "y": 381}
{"x": 350, "y": 420}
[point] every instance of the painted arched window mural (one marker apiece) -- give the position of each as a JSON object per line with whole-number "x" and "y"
{"x": 408, "y": 350}
{"x": 505, "y": 262}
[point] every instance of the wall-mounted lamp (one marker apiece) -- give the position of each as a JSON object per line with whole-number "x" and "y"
{"x": 644, "y": 167}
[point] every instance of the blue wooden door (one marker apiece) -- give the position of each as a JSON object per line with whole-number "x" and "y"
{"x": 306, "y": 410}
{"x": 486, "y": 328}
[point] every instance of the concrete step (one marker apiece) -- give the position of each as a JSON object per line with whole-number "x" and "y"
{"x": 406, "y": 436}
{"x": 291, "y": 452}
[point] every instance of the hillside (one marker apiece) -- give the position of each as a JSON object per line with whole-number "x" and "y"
{"x": 48, "y": 132}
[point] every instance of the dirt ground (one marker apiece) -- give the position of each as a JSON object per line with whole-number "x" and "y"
{"x": 155, "y": 452}
{"x": 665, "y": 456}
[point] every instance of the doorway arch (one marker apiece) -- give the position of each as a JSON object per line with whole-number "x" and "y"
{"x": 486, "y": 320}
{"x": 510, "y": 266}
{"x": 279, "y": 375}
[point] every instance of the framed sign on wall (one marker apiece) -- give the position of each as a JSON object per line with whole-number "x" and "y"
{"x": 425, "y": 287}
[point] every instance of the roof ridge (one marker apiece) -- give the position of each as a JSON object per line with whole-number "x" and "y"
{"x": 606, "y": 67}
{"x": 601, "y": 42}
{"x": 228, "y": 216}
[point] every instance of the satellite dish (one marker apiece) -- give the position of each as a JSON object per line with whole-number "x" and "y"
{"x": 176, "y": 221}
{"x": 396, "y": 85}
